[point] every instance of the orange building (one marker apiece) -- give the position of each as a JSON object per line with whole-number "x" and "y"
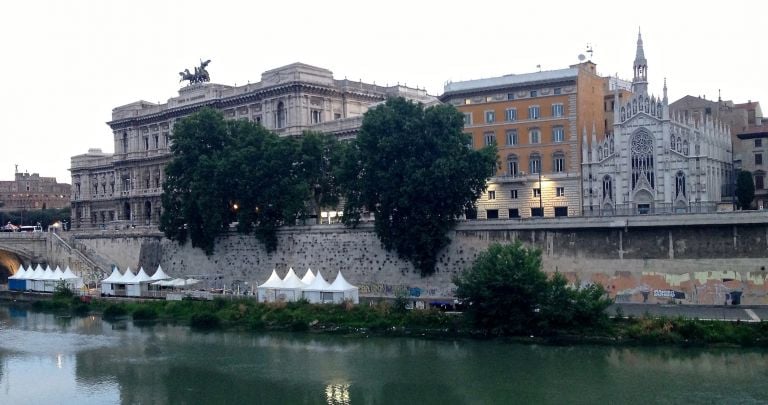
{"x": 537, "y": 121}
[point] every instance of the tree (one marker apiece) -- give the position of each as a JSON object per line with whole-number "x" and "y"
{"x": 195, "y": 199}
{"x": 412, "y": 168}
{"x": 319, "y": 154}
{"x": 745, "y": 189}
{"x": 508, "y": 293}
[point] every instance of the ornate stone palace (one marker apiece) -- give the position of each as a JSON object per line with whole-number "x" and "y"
{"x": 32, "y": 192}
{"x": 655, "y": 160}
{"x": 124, "y": 188}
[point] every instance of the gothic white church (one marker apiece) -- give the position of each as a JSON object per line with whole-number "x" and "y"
{"x": 655, "y": 160}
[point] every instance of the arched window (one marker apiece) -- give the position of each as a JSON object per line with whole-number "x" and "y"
{"x": 685, "y": 148}
{"x": 679, "y": 145}
{"x": 642, "y": 159}
{"x": 125, "y": 142}
{"x": 280, "y": 115}
{"x": 680, "y": 184}
{"x": 623, "y": 113}
{"x": 607, "y": 188}
{"x": 513, "y": 167}
{"x": 611, "y": 145}
{"x": 599, "y": 152}
{"x": 534, "y": 163}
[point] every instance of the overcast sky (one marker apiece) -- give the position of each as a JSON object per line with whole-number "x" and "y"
{"x": 66, "y": 64}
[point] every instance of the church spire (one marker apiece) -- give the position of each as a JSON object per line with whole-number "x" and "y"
{"x": 640, "y": 81}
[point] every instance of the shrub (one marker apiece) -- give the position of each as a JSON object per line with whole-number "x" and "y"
{"x": 113, "y": 311}
{"x": 144, "y": 314}
{"x": 204, "y": 320}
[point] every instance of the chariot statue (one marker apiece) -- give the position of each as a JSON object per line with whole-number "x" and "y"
{"x": 200, "y": 75}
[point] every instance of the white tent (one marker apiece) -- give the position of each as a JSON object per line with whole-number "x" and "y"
{"x": 72, "y": 280}
{"x": 291, "y": 289}
{"x": 107, "y": 285}
{"x": 343, "y": 291}
{"x": 35, "y": 282}
{"x": 308, "y": 277}
{"x": 18, "y": 281}
{"x": 268, "y": 291}
{"x": 48, "y": 281}
{"x": 137, "y": 286}
{"x": 315, "y": 291}
{"x": 160, "y": 275}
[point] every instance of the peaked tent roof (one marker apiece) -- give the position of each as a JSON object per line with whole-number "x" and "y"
{"x": 20, "y": 273}
{"x": 291, "y": 280}
{"x": 160, "y": 274}
{"x": 318, "y": 284}
{"x": 340, "y": 284}
{"x": 36, "y": 274}
{"x": 48, "y": 274}
{"x": 141, "y": 277}
{"x": 273, "y": 281}
{"x": 126, "y": 278}
{"x": 69, "y": 275}
{"x": 114, "y": 277}
{"x": 308, "y": 277}
{"x": 58, "y": 274}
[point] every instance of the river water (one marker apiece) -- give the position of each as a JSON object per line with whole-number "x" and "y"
{"x": 52, "y": 360}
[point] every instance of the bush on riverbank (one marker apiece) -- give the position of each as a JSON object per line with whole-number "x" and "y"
{"x": 662, "y": 330}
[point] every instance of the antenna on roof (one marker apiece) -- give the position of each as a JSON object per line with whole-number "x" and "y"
{"x": 538, "y": 67}
{"x": 589, "y": 50}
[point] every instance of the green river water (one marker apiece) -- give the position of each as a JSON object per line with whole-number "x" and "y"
{"x": 45, "y": 359}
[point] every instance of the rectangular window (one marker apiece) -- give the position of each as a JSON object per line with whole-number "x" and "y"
{"x": 559, "y": 164}
{"x": 758, "y": 143}
{"x": 558, "y": 90}
{"x": 467, "y": 119}
{"x": 492, "y": 214}
{"x": 759, "y": 182}
{"x": 490, "y": 117}
{"x": 337, "y": 116}
{"x": 558, "y": 134}
{"x": 514, "y": 213}
{"x": 488, "y": 99}
{"x": 557, "y": 110}
{"x": 511, "y": 114}
{"x": 317, "y": 116}
{"x": 146, "y": 143}
{"x": 510, "y": 96}
{"x": 513, "y": 168}
{"x": 560, "y": 191}
{"x": 157, "y": 141}
{"x": 758, "y": 159}
{"x": 467, "y": 101}
{"x": 534, "y": 93}
{"x": 534, "y": 165}
{"x": 490, "y": 138}
{"x": 512, "y": 137}
{"x": 561, "y": 211}
{"x": 534, "y": 112}
{"x": 492, "y": 194}
{"x": 536, "y": 192}
{"x": 534, "y": 136}
{"x": 513, "y": 194}
{"x": 537, "y": 212}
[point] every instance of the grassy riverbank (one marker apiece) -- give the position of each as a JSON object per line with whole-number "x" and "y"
{"x": 392, "y": 319}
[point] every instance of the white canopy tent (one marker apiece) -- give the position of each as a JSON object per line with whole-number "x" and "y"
{"x": 107, "y": 285}
{"x": 314, "y": 291}
{"x": 343, "y": 291}
{"x": 18, "y": 281}
{"x": 160, "y": 275}
{"x": 137, "y": 286}
{"x": 308, "y": 277}
{"x": 71, "y": 279}
{"x": 291, "y": 288}
{"x": 267, "y": 292}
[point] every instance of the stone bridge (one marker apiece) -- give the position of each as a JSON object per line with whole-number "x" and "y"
{"x": 30, "y": 248}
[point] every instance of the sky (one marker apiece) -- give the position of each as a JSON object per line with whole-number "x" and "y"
{"x": 65, "y": 64}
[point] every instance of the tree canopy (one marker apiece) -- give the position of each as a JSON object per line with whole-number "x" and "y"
{"x": 412, "y": 167}
{"x": 508, "y": 293}
{"x": 233, "y": 171}
{"x": 745, "y": 189}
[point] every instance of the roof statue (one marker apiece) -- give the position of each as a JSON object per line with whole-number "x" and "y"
{"x": 200, "y": 75}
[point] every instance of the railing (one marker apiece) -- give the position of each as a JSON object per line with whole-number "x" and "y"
{"x": 653, "y": 209}
{"x": 95, "y": 273}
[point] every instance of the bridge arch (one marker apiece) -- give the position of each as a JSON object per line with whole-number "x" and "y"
{"x": 9, "y": 264}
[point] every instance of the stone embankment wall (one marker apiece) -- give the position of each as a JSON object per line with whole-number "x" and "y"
{"x": 701, "y": 259}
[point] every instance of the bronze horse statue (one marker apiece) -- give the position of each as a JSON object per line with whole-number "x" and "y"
{"x": 200, "y": 75}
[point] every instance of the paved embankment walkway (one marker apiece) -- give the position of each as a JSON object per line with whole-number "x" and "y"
{"x": 749, "y": 313}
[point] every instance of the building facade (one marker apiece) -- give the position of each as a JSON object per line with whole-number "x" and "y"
{"x": 125, "y": 188}
{"x": 655, "y": 160}
{"x": 534, "y": 120}
{"x": 32, "y": 192}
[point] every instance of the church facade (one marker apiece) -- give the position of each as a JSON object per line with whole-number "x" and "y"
{"x": 654, "y": 160}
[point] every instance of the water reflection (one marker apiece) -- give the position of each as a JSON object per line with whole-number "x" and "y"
{"x": 87, "y": 360}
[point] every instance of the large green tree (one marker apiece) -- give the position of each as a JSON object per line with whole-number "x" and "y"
{"x": 230, "y": 171}
{"x": 412, "y": 167}
{"x": 508, "y": 293}
{"x": 745, "y": 189}
{"x": 318, "y": 156}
